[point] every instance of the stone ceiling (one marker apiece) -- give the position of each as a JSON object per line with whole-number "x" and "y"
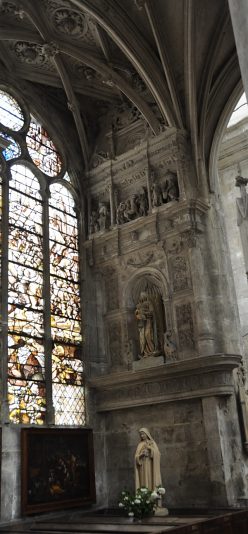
{"x": 113, "y": 62}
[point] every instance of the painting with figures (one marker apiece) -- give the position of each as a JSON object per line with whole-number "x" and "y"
{"x": 57, "y": 469}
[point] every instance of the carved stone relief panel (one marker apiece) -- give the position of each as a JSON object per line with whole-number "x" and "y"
{"x": 185, "y": 326}
{"x": 179, "y": 273}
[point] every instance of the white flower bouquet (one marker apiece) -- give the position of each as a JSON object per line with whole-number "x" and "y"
{"x": 142, "y": 504}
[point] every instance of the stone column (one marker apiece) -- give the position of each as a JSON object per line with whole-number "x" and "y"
{"x": 225, "y": 463}
{"x": 239, "y": 16}
{"x": 242, "y": 216}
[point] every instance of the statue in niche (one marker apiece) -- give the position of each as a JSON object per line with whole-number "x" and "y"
{"x": 120, "y": 213}
{"x": 142, "y": 202}
{"x": 147, "y": 462}
{"x": 170, "y": 188}
{"x": 147, "y": 322}
{"x": 242, "y": 202}
{"x": 103, "y": 216}
{"x": 130, "y": 211}
{"x": 156, "y": 194}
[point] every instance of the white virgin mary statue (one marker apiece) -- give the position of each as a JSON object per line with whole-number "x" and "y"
{"x": 147, "y": 462}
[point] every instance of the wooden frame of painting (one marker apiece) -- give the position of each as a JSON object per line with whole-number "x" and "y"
{"x": 57, "y": 469}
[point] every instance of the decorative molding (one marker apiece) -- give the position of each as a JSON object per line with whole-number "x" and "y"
{"x": 196, "y": 378}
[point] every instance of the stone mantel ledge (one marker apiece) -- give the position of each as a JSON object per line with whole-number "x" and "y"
{"x": 195, "y": 378}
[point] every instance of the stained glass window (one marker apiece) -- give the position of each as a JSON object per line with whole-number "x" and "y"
{"x": 42, "y": 149}
{"x": 67, "y": 366}
{"x": 10, "y": 112}
{"x": 13, "y": 150}
{"x": 44, "y": 322}
{"x": 26, "y": 386}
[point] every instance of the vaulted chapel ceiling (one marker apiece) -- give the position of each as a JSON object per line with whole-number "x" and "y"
{"x": 114, "y": 63}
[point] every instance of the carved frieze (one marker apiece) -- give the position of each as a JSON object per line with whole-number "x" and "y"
{"x": 185, "y": 326}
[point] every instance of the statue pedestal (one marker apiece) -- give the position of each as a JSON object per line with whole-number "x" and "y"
{"x": 161, "y": 512}
{"x": 150, "y": 361}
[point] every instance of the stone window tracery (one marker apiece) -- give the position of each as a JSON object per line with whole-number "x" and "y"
{"x": 40, "y": 290}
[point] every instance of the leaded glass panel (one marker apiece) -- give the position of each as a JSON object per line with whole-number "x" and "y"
{"x": 27, "y": 401}
{"x": 32, "y": 271}
{"x": 69, "y": 404}
{"x": 10, "y": 112}
{"x": 26, "y": 387}
{"x": 13, "y": 150}
{"x": 42, "y": 149}
{"x": 67, "y": 366}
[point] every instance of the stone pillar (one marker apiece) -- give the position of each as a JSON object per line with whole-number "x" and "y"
{"x": 203, "y": 297}
{"x": 226, "y": 472}
{"x": 239, "y": 16}
{"x": 242, "y": 216}
{"x": 10, "y": 473}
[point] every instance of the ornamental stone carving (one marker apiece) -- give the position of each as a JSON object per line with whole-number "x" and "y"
{"x": 132, "y": 208}
{"x": 99, "y": 219}
{"x": 179, "y": 273}
{"x": 185, "y": 326}
{"x": 70, "y": 22}
{"x": 30, "y": 53}
{"x": 50, "y": 50}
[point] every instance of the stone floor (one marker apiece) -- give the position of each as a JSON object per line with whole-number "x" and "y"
{"x": 212, "y": 522}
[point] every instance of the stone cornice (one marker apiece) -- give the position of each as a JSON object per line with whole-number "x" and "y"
{"x": 196, "y": 366}
{"x": 200, "y": 377}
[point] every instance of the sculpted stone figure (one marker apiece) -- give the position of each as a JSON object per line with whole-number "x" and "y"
{"x": 103, "y": 216}
{"x": 147, "y": 462}
{"x": 144, "y": 314}
{"x": 170, "y": 189}
{"x": 157, "y": 198}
